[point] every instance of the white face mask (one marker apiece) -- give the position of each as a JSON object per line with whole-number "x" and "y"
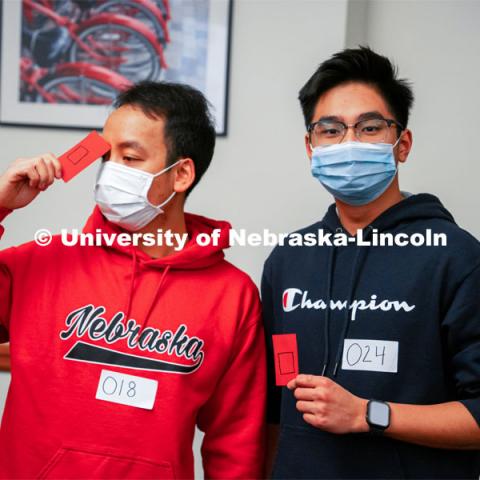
{"x": 121, "y": 193}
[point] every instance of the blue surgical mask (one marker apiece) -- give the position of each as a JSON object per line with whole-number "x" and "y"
{"x": 356, "y": 173}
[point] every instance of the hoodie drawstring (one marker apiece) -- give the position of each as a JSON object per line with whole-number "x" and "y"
{"x": 132, "y": 284}
{"x": 326, "y": 355}
{"x": 356, "y": 269}
{"x": 132, "y": 290}
{"x": 154, "y": 299}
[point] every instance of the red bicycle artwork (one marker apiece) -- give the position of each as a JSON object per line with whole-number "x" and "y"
{"x": 82, "y": 53}
{"x": 78, "y": 82}
{"x": 56, "y": 31}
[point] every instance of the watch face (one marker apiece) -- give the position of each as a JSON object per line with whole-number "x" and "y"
{"x": 379, "y": 414}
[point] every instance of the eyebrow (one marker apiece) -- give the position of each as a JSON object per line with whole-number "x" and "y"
{"x": 362, "y": 116}
{"x": 132, "y": 144}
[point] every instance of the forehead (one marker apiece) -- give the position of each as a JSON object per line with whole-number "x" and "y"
{"x": 349, "y": 100}
{"x": 130, "y": 122}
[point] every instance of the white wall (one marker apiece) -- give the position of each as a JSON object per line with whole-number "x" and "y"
{"x": 260, "y": 177}
{"x": 437, "y": 45}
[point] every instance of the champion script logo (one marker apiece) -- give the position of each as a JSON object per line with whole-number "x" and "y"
{"x": 294, "y": 298}
{"x": 87, "y": 322}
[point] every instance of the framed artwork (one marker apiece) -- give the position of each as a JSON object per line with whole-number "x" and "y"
{"x": 64, "y": 61}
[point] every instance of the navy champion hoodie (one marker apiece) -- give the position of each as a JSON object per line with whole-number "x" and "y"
{"x": 354, "y": 307}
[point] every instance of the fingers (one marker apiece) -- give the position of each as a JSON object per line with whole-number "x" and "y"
{"x": 51, "y": 171}
{"x": 292, "y": 384}
{"x": 33, "y": 176}
{"x": 310, "y": 381}
{"x": 306, "y": 407}
{"x": 43, "y": 174}
{"x": 312, "y": 419}
{"x": 305, "y": 394}
{"x": 41, "y": 171}
{"x": 55, "y": 163}
{"x": 315, "y": 415}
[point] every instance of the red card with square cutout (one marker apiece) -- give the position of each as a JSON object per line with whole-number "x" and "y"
{"x": 82, "y": 155}
{"x": 285, "y": 354}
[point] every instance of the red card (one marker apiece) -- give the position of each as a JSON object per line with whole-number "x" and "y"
{"x": 82, "y": 155}
{"x": 285, "y": 353}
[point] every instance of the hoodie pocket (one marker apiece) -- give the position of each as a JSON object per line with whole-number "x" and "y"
{"x": 307, "y": 453}
{"x": 69, "y": 463}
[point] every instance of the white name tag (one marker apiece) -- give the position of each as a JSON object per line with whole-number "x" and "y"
{"x": 127, "y": 389}
{"x": 372, "y": 355}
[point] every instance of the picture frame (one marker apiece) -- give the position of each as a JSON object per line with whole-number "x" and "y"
{"x": 55, "y": 74}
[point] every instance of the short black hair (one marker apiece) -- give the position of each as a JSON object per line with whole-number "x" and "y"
{"x": 359, "y": 65}
{"x": 189, "y": 127}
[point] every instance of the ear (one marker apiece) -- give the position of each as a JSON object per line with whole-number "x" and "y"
{"x": 404, "y": 145}
{"x": 308, "y": 146}
{"x": 184, "y": 175}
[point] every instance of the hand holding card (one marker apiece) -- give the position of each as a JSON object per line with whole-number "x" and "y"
{"x": 82, "y": 155}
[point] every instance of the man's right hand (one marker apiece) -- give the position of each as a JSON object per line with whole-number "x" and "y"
{"x": 25, "y": 178}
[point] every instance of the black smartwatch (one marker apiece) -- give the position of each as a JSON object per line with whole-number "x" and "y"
{"x": 378, "y": 416}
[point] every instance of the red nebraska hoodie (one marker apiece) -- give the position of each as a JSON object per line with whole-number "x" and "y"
{"x": 116, "y": 356}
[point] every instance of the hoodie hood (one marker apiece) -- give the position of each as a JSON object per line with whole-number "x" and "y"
{"x": 191, "y": 257}
{"x": 414, "y": 207}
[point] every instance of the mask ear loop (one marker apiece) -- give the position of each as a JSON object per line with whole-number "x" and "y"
{"x": 393, "y": 146}
{"x": 166, "y": 169}
{"x": 398, "y": 139}
{"x": 159, "y": 207}
{"x": 310, "y": 142}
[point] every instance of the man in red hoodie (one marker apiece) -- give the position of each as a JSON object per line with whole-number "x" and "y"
{"x": 118, "y": 352}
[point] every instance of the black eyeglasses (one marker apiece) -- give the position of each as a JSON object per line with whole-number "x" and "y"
{"x": 373, "y": 130}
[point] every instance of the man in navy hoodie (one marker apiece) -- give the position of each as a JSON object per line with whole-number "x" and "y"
{"x": 387, "y": 337}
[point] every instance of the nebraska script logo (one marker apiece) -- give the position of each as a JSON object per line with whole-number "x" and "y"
{"x": 88, "y": 323}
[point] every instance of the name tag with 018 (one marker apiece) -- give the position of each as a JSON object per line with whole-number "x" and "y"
{"x": 370, "y": 355}
{"x": 127, "y": 389}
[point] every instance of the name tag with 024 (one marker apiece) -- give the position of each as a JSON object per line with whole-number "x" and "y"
{"x": 370, "y": 355}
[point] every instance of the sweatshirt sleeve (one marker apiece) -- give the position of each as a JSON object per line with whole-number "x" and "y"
{"x": 5, "y": 286}
{"x": 274, "y": 393}
{"x": 233, "y": 419}
{"x": 462, "y": 327}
